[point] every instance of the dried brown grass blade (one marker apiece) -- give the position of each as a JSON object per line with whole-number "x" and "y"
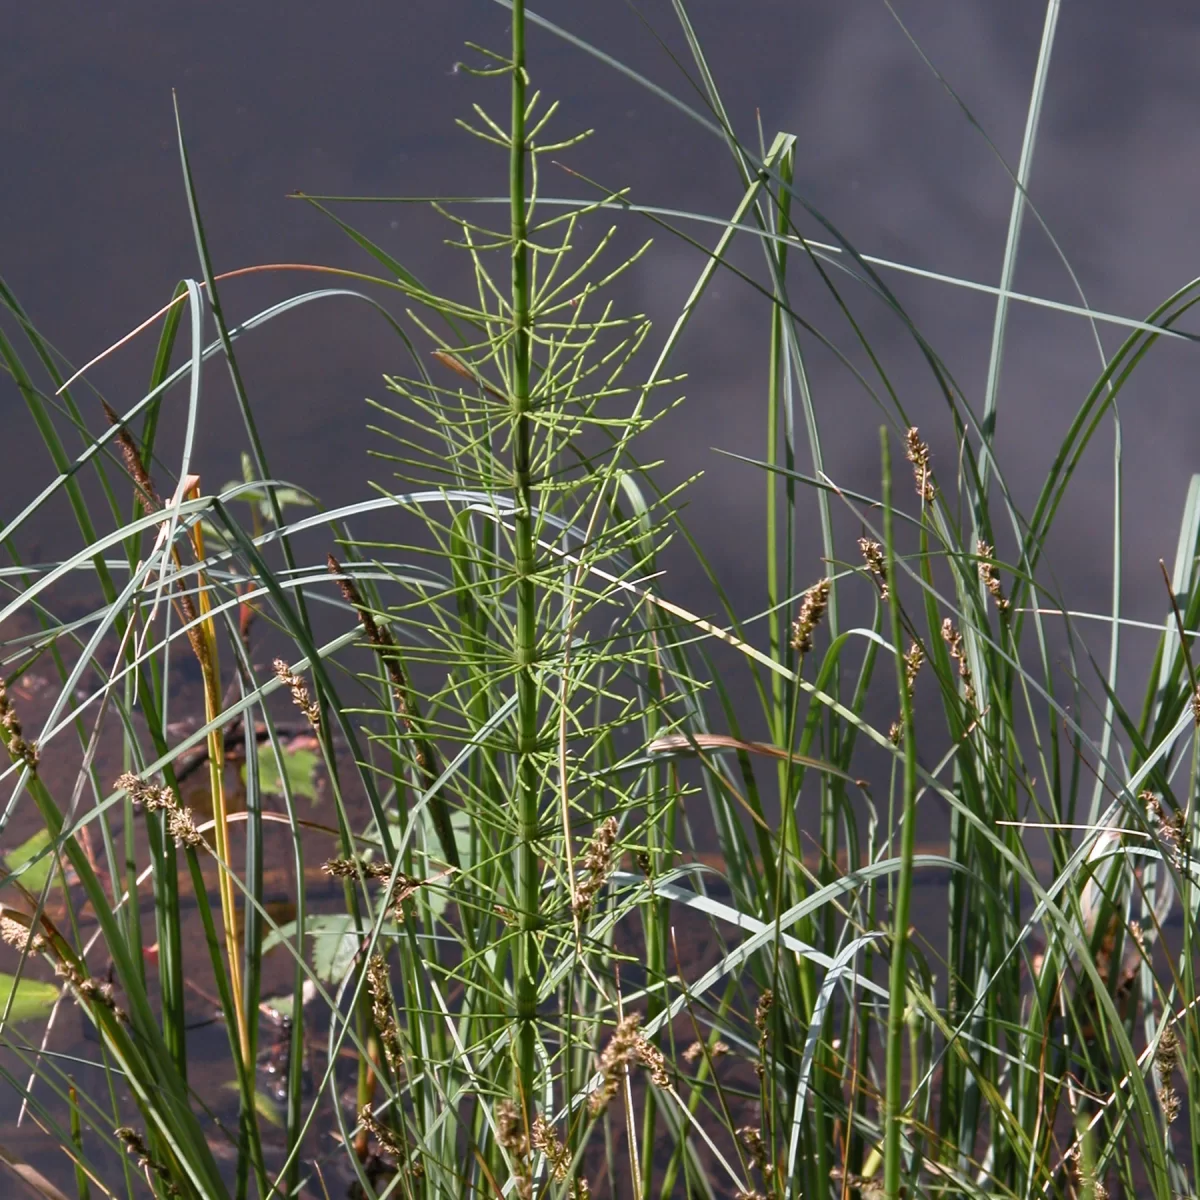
{"x": 677, "y": 743}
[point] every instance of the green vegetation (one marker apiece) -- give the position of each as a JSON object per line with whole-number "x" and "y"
{"x": 552, "y": 922}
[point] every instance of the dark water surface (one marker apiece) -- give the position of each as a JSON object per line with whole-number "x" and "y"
{"x": 360, "y": 99}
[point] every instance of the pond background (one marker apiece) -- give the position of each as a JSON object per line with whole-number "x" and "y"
{"x": 361, "y": 100}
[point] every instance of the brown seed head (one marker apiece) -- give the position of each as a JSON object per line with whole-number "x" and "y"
{"x": 387, "y": 1140}
{"x": 300, "y": 694}
{"x": 954, "y": 643}
{"x": 1138, "y": 935}
{"x": 1166, "y": 1056}
{"x": 1170, "y": 827}
{"x": 917, "y": 453}
{"x": 380, "y": 986}
{"x": 181, "y": 825}
{"x": 695, "y": 1051}
{"x": 148, "y": 497}
{"x": 17, "y": 935}
{"x": 510, "y": 1129}
{"x": 812, "y": 609}
{"x": 1168, "y": 1098}
{"x": 763, "y": 1008}
{"x": 872, "y": 553}
{"x": 348, "y": 868}
{"x": 651, "y": 1057}
{"x": 913, "y": 661}
{"x": 134, "y": 1143}
{"x": 1153, "y": 806}
{"x": 988, "y": 574}
{"x": 18, "y": 748}
{"x": 405, "y": 888}
{"x": 135, "y": 1146}
{"x": 752, "y": 1142}
{"x": 90, "y": 989}
{"x": 545, "y": 1138}
{"x": 596, "y": 865}
{"x": 762, "y": 1012}
{"x": 148, "y": 795}
{"x": 621, "y": 1052}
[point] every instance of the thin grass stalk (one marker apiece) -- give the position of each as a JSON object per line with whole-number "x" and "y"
{"x": 784, "y": 715}
{"x": 898, "y": 974}
{"x": 82, "y": 1188}
{"x": 149, "y": 683}
{"x": 206, "y": 644}
{"x": 258, "y": 454}
{"x": 1012, "y": 244}
{"x": 662, "y": 780}
{"x": 295, "y": 1081}
{"x": 775, "y": 386}
{"x": 233, "y": 987}
{"x": 252, "y": 902}
{"x": 1190, "y": 902}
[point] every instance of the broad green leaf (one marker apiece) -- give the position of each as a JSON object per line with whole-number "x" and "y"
{"x": 34, "y": 999}
{"x": 324, "y": 925}
{"x": 299, "y": 766}
{"x": 34, "y": 875}
{"x": 334, "y": 946}
{"x": 265, "y": 1106}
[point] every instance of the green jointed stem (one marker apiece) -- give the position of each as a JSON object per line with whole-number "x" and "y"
{"x": 523, "y": 554}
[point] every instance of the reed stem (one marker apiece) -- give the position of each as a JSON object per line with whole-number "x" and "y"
{"x": 528, "y": 875}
